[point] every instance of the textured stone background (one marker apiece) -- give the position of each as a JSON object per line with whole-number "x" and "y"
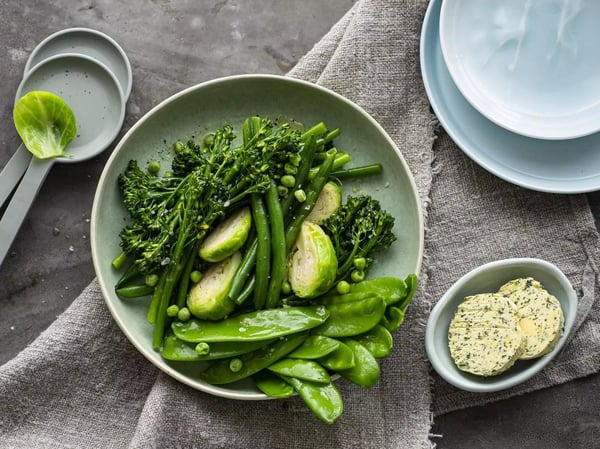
{"x": 50, "y": 261}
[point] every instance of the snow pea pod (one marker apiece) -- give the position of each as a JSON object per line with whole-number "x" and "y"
{"x": 252, "y": 326}
{"x": 365, "y": 372}
{"x": 324, "y": 400}
{"x": 341, "y": 358}
{"x": 391, "y": 289}
{"x": 301, "y": 369}
{"x": 392, "y": 318}
{"x": 378, "y": 341}
{"x": 315, "y": 346}
{"x": 252, "y": 362}
{"x": 183, "y": 351}
{"x": 272, "y": 385}
{"x": 352, "y": 318}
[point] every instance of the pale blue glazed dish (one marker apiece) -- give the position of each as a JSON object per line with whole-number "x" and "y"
{"x": 528, "y": 65}
{"x": 485, "y": 279}
{"x": 566, "y": 166}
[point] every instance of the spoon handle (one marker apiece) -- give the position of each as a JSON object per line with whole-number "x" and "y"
{"x": 13, "y": 171}
{"x": 21, "y": 201}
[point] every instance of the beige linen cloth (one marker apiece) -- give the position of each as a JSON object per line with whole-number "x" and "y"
{"x": 81, "y": 384}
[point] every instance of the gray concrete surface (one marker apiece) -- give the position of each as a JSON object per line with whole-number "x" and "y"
{"x": 174, "y": 44}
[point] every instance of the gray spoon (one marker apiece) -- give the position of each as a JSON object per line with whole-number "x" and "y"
{"x": 96, "y": 98}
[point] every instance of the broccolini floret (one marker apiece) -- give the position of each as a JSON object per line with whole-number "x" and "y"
{"x": 359, "y": 229}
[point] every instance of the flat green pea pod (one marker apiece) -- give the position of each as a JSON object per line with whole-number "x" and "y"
{"x": 182, "y": 351}
{"x": 324, "y": 400}
{"x": 393, "y": 318}
{"x": 412, "y": 283}
{"x": 220, "y": 371}
{"x": 331, "y": 299}
{"x": 252, "y": 326}
{"x": 365, "y": 372}
{"x": 314, "y": 347}
{"x": 378, "y": 341}
{"x": 340, "y": 359}
{"x": 352, "y": 318}
{"x": 301, "y": 369}
{"x": 391, "y": 289}
{"x": 272, "y": 385}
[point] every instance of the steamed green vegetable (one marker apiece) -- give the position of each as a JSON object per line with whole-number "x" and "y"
{"x": 263, "y": 216}
{"x": 227, "y": 237}
{"x": 313, "y": 265}
{"x": 45, "y": 123}
{"x": 208, "y": 299}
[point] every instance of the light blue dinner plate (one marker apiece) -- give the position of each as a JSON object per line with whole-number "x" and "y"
{"x": 565, "y": 166}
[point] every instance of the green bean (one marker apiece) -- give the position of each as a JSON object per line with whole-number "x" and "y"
{"x": 324, "y": 400}
{"x": 252, "y": 362}
{"x": 340, "y": 160}
{"x": 246, "y": 291}
{"x": 246, "y": 266}
{"x": 119, "y": 261}
{"x": 358, "y": 172}
{"x": 134, "y": 291}
{"x": 130, "y": 273}
{"x": 278, "y": 246}
{"x": 308, "y": 155}
{"x": 153, "y": 309}
{"x": 263, "y": 250}
{"x": 252, "y": 326}
{"x": 184, "y": 281}
{"x": 312, "y": 193}
{"x": 315, "y": 131}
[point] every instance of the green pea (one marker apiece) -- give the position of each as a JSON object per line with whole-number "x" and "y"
{"x": 151, "y": 280}
{"x": 195, "y": 276}
{"x": 300, "y": 195}
{"x": 202, "y": 348}
{"x": 365, "y": 371}
{"x": 154, "y": 167}
{"x": 357, "y": 275}
{"x": 286, "y": 288}
{"x": 172, "y": 310}
{"x": 282, "y": 190}
{"x": 288, "y": 181}
{"x": 235, "y": 365}
{"x": 360, "y": 263}
{"x": 184, "y": 314}
{"x": 178, "y": 146}
{"x": 342, "y": 287}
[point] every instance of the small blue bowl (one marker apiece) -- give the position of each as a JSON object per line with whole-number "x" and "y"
{"x": 487, "y": 279}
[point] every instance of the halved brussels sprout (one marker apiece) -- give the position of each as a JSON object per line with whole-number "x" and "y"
{"x": 312, "y": 266}
{"x": 227, "y": 237}
{"x": 327, "y": 204}
{"x": 209, "y": 299}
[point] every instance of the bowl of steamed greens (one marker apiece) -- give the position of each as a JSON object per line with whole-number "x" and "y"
{"x": 259, "y": 237}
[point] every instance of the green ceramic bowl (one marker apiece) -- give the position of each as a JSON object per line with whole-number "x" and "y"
{"x": 209, "y": 105}
{"x": 485, "y": 279}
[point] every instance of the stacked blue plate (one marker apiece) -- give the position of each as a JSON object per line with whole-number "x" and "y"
{"x": 551, "y": 162}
